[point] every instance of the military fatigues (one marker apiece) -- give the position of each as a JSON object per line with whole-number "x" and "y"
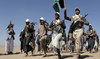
{"x": 21, "y": 41}
{"x": 57, "y": 35}
{"x": 91, "y": 41}
{"x": 10, "y": 40}
{"x": 27, "y": 39}
{"x": 32, "y": 43}
{"x": 96, "y": 45}
{"x": 77, "y": 29}
{"x": 42, "y": 31}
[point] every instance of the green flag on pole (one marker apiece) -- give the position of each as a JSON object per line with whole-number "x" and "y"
{"x": 58, "y": 4}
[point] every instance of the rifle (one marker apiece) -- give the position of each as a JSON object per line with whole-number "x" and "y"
{"x": 9, "y": 26}
{"x": 57, "y": 28}
{"x": 46, "y": 23}
{"x": 34, "y": 23}
{"x": 74, "y": 24}
{"x": 84, "y": 16}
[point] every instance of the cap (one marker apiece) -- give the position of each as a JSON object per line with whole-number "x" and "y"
{"x": 77, "y": 9}
{"x": 42, "y": 18}
{"x": 90, "y": 24}
{"x": 57, "y": 13}
{"x": 27, "y": 20}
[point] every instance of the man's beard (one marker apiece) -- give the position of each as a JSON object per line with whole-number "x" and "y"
{"x": 42, "y": 23}
{"x": 57, "y": 18}
{"x": 77, "y": 13}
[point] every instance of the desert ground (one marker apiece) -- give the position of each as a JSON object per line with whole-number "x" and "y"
{"x": 50, "y": 55}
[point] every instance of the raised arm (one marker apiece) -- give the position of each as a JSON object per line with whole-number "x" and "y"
{"x": 65, "y": 15}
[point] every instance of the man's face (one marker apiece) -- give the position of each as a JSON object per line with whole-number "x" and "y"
{"x": 56, "y": 16}
{"x": 90, "y": 27}
{"x": 27, "y": 23}
{"x": 12, "y": 26}
{"x": 77, "y": 12}
{"x": 41, "y": 21}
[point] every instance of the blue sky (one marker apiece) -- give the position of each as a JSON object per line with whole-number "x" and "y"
{"x": 19, "y": 10}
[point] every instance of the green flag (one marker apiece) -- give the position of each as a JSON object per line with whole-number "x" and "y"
{"x": 58, "y": 4}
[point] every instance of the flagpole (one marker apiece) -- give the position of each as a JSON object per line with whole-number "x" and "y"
{"x": 10, "y": 22}
{"x": 64, "y": 4}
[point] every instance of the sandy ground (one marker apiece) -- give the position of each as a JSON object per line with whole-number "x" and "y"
{"x": 65, "y": 55}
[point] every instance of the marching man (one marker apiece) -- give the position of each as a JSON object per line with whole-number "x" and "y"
{"x": 77, "y": 26}
{"x": 57, "y": 27}
{"x": 42, "y": 31}
{"x": 10, "y": 39}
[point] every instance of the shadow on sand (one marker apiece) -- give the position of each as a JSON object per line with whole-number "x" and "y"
{"x": 81, "y": 57}
{"x": 85, "y": 56}
{"x": 10, "y": 54}
{"x": 66, "y": 56}
{"x": 37, "y": 55}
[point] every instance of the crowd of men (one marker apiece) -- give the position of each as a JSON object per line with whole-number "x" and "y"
{"x": 76, "y": 41}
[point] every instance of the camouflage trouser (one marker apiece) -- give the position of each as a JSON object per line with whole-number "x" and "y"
{"x": 26, "y": 45}
{"x": 43, "y": 42}
{"x": 43, "y": 37}
{"x": 32, "y": 43}
{"x": 77, "y": 34}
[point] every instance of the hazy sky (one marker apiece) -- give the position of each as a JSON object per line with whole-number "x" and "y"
{"x": 19, "y": 10}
